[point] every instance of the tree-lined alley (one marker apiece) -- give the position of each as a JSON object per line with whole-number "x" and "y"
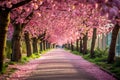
{"x": 57, "y": 22}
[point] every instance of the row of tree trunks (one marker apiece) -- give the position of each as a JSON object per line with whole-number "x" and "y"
{"x": 28, "y": 44}
{"x": 4, "y": 22}
{"x": 44, "y": 45}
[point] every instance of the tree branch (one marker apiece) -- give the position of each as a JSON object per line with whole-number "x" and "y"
{"x": 20, "y": 4}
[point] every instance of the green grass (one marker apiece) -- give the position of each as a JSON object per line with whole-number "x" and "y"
{"x": 100, "y": 59}
{"x": 7, "y": 55}
{"x": 4, "y": 68}
{"x": 24, "y": 60}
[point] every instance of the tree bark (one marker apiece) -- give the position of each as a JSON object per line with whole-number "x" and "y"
{"x": 48, "y": 45}
{"x": 77, "y": 43}
{"x": 54, "y": 45}
{"x": 28, "y": 44}
{"x": 94, "y": 35}
{"x": 4, "y": 22}
{"x": 72, "y": 47}
{"x": 44, "y": 45}
{"x": 41, "y": 46}
{"x": 85, "y": 38}
{"x": 81, "y": 45}
{"x": 111, "y": 56}
{"x": 16, "y": 43}
{"x": 35, "y": 45}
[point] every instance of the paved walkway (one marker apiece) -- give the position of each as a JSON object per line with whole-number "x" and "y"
{"x": 59, "y": 64}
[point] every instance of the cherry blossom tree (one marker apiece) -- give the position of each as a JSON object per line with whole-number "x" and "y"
{"x": 5, "y": 8}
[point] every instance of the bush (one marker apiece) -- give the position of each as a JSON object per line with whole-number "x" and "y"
{"x": 100, "y": 53}
{"x": 76, "y": 52}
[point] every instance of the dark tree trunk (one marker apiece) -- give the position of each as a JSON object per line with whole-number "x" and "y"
{"x": 54, "y": 46}
{"x": 111, "y": 56}
{"x": 16, "y": 43}
{"x": 93, "y": 42}
{"x": 72, "y": 47}
{"x": 77, "y": 43}
{"x": 68, "y": 45}
{"x": 4, "y": 22}
{"x": 81, "y": 46}
{"x": 28, "y": 44}
{"x": 85, "y": 38}
{"x": 51, "y": 46}
{"x": 48, "y": 45}
{"x": 35, "y": 45}
{"x": 41, "y": 46}
{"x": 44, "y": 45}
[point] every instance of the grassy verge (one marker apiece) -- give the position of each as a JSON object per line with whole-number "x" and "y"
{"x": 100, "y": 59}
{"x": 24, "y": 60}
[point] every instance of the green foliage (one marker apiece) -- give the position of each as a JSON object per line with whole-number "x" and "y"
{"x": 100, "y": 53}
{"x": 11, "y": 63}
{"x": 76, "y": 52}
{"x": 35, "y": 55}
{"x": 24, "y": 59}
{"x": 43, "y": 52}
{"x": 4, "y": 68}
{"x": 27, "y": 59}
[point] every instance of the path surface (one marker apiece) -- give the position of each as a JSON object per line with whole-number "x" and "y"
{"x": 59, "y": 64}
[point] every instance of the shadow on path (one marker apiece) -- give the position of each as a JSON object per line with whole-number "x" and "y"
{"x": 59, "y": 65}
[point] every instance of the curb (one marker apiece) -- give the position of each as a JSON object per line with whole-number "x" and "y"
{"x": 112, "y": 74}
{"x": 103, "y": 69}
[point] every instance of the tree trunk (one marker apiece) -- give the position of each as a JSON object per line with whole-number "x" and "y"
{"x": 28, "y": 44}
{"x": 54, "y": 46}
{"x": 41, "y": 46}
{"x": 72, "y": 47}
{"x": 85, "y": 38}
{"x": 77, "y": 42}
{"x": 93, "y": 42}
{"x": 111, "y": 56}
{"x": 4, "y": 22}
{"x": 16, "y": 43}
{"x": 81, "y": 46}
{"x": 44, "y": 45}
{"x": 48, "y": 45}
{"x": 35, "y": 45}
